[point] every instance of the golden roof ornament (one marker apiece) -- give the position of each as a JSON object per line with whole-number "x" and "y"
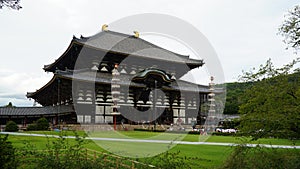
{"x": 136, "y": 34}
{"x": 104, "y": 27}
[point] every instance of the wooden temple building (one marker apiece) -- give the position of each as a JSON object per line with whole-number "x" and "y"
{"x": 114, "y": 76}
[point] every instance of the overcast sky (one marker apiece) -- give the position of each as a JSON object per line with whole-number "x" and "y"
{"x": 243, "y": 33}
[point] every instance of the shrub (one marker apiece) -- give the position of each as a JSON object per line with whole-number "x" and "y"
{"x": 31, "y": 127}
{"x": 244, "y": 157}
{"x": 11, "y": 126}
{"x": 170, "y": 160}
{"x": 8, "y": 158}
{"x": 60, "y": 153}
{"x": 42, "y": 124}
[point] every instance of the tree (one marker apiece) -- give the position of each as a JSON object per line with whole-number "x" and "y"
{"x": 13, "y": 4}
{"x": 271, "y": 107}
{"x": 290, "y": 29}
{"x": 10, "y": 105}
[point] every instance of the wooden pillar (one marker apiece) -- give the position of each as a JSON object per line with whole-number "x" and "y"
{"x": 56, "y": 119}
{"x": 25, "y": 121}
{"x": 115, "y": 122}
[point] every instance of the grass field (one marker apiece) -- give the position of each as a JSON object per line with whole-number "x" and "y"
{"x": 168, "y": 136}
{"x": 205, "y": 156}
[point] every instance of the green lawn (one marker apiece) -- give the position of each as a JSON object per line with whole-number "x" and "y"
{"x": 205, "y": 156}
{"x": 169, "y": 136}
{"x": 199, "y": 156}
{"x": 208, "y": 156}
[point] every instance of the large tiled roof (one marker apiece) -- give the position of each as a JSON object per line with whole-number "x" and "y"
{"x": 33, "y": 111}
{"x": 123, "y": 44}
{"x": 129, "y": 44}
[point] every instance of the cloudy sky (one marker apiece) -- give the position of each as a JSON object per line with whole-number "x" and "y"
{"x": 243, "y": 34}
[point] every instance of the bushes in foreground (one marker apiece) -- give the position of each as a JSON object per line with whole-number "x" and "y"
{"x": 61, "y": 153}
{"x": 258, "y": 157}
{"x": 8, "y": 158}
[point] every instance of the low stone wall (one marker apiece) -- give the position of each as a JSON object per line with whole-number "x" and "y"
{"x": 124, "y": 127}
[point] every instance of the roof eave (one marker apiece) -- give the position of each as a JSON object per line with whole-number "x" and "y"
{"x": 50, "y": 67}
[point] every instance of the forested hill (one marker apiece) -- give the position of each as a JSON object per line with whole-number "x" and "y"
{"x": 234, "y": 96}
{"x": 236, "y": 91}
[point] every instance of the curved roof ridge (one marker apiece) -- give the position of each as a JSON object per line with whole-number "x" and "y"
{"x": 133, "y": 37}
